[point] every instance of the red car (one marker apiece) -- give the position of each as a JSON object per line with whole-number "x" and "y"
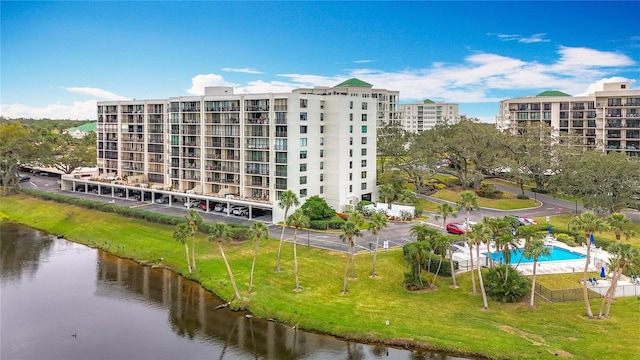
{"x": 203, "y": 206}
{"x": 455, "y": 228}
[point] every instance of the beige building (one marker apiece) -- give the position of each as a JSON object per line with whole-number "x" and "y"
{"x": 249, "y": 148}
{"x": 426, "y": 114}
{"x": 607, "y": 119}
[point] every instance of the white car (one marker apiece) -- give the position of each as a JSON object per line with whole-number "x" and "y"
{"x": 220, "y": 207}
{"x": 192, "y": 203}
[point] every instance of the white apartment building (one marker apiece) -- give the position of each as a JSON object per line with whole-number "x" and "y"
{"x": 249, "y": 148}
{"x": 607, "y": 119}
{"x": 424, "y": 115}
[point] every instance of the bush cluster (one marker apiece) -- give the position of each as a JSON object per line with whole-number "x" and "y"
{"x": 326, "y": 224}
{"x": 503, "y": 288}
{"x": 522, "y": 197}
{"x": 489, "y": 191}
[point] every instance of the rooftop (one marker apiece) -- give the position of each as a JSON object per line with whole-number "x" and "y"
{"x": 552, "y": 93}
{"x": 353, "y": 82}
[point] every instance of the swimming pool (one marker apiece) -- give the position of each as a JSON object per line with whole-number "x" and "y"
{"x": 557, "y": 254}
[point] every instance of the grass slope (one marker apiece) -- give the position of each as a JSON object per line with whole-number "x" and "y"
{"x": 511, "y": 203}
{"x": 447, "y": 319}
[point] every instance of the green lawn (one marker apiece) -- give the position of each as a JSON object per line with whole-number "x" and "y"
{"x": 512, "y": 203}
{"x": 446, "y": 319}
{"x": 562, "y": 220}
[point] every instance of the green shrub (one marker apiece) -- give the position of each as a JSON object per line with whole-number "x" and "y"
{"x": 503, "y": 288}
{"x": 539, "y": 191}
{"x": 566, "y": 238}
{"x": 317, "y": 208}
{"x": 413, "y": 283}
{"x": 319, "y": 224}
{"x": 522, "y": 197}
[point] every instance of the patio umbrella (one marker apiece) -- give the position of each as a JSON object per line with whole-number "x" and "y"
{"x": 550, "y": 230}
{"x": 602, "y": 274}
{"x": 592, "y": 239}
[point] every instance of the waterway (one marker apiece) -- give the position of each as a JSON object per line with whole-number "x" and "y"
{"x": 62, "y": 300}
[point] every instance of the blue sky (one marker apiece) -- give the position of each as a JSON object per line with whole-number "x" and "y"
{"x": 59, "y": 58}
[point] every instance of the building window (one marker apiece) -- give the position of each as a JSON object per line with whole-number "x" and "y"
{"x": 321, "y": 189}
{"x": 321, "y": 141}
{"x": 322, "y": 129}
{"x": 303, "y": 142}
{"x": 351, "y": 141}
{"x": 321, "y": 165}
{"x": 321, "y": 153}
{"x": 364, "y": 117}
{"x": 321, "y": 177}
{"x": 363, "y": 175}
{"x": 321, "y": 116}
{"x": 350, "y": 176}
{"x": 303, "y": 116}
{"x": 303, "y": 167}
{"x": 350, "y": 188}
{"x": 364, "y": 105}
{"x": 303, "y": 154}
{"x": 363, "y": 186}
{"x": 303, "y": 193}
{"x": 303, "y": 180}
{"x": 350, "y": 164}
{"x": 364, "y": 152}
{"x": 351, "y": 129}
{"x": 363, "y": 163}
{"x": 350, "y": 104}
{"x": 364, "y": 140}
{"x": 303, "y": 129}
{"x": 364, "y": 129}
{"x": 350, "y": 117}
{"x": 303, "y": 103}
{"x": 350, "y": 152}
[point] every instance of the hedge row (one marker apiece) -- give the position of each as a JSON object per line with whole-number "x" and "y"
{"x": 238, "y": 232}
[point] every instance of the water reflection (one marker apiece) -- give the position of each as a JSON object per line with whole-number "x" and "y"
{"x": 120, "y": 310}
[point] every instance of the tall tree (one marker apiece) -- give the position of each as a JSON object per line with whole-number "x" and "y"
{"x": 69, "y": 153}
{"x": 287, "y": 200}
{"x": 590, "y": 223}
{"x": 619, "y": 224}
{"x": 349, "y": 231}
{"x": 377, "y": 223}
{"x": 388, "y": 193}
{"x": 468, "y": 200}
{"x": 425, "y": 233}
{"x": 194, "y": 220}
{"x": 390, "y": 140}
{"x": 219, "y": 232}
{"x": 624, "y": 255}
{"x": 19, "y": 145}
{"x": 445, "y": 210}
{"x": 480, "y": 234}
{"x": 497, "y": 226}
{"x": 298, "y": 220}
{"x": 180, "y": 235}
{"x": 258, "y": 231}
{"x": 534, "y": 249}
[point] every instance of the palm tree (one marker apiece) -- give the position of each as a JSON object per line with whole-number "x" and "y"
{"x": 258, "y": 230}
{"x": 287, "y": 200}
{"x": 480, "y": 233}
{"x": 349, "y": 231}
{"x": 388, "y": 193}
{"x": 505, "y": 243}
{"x": 181, "y": 235}
{"x": 618, "y": 223}
{"x": 589, "y": 223}
{"x": 377, "y": 223}
{"x": 415, "y": 258}
{"x": 218, "y": 232}
{"x": 407, "y": 196}
{"x": 527, "y": 233}
{"x": 445, "y": 210}
{"x": 298, "y": 220}
{"x": 498, "y": 227}
{"x": 468, "y": 200}
{"x": 194, "y": 219}
{"x": 534, "y": 249}
{"x": 423, "y": 232}
{"x": 625, "y": 255}
{"x": 440, "y": 245}
{"x": 357, "y": 218}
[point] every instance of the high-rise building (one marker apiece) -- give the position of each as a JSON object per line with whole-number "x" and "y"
{"x": 607, "y": 119}
{"x": 424, "y": 115}
{"x": 249, "y": 148}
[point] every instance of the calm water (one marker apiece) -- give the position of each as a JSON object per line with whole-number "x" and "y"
{"x": 555, "y": 254}
{"x": 61, "y": 300}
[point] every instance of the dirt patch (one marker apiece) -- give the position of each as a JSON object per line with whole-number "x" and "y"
{"x": 563, "y": 354}
{"x": 534, "y": 339}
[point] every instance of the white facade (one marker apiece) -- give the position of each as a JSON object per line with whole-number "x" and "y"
{"x": 248, "y": 147}
{"x": 426, "y": 114}
{"x": 608, "y": 119}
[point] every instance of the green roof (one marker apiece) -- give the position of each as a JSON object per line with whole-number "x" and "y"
{"x": 353, "y": 82}
{"x": 427, "y": 101}
{"x": 552, "y": 93}
{"x": 92, "y": 126}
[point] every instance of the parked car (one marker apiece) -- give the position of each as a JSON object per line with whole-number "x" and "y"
{"x": 241, "y": 211}
{"x": 523, "y": 220}
{"x": 191, "y": 203}
{"x": 529, "y": 220}
{"x": 455, "y": 228}
{"x": 220, "y": 207}
{"x": 203, "y": 205}
{"x": 255, "y": 212}
{"x": 163, "y": 200}
{"x": 24, "y": 178}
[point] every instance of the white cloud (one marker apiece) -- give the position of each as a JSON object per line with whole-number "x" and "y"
{"x": 95, "y": 92}
{"x": 535, "y": 38}
{"x": 243, "y": 70}
{"x": 362, "y": 61}
{"x": 79, "y": 110}
{"x": 586, "y": 58}
{"x": 199, "y": 82}
{"x": 599, "y": 85}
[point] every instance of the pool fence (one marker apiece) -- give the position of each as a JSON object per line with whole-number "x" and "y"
{"x": 595, "y": 292}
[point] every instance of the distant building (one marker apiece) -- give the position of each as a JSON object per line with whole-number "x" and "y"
{"x": 249, "y": 148}
{"x": 81, "y": 131}
{"x": 607, "y": 119}
{"x": 424, "y": 115}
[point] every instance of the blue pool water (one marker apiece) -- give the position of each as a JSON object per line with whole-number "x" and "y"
{"x": 556, "y": 255}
